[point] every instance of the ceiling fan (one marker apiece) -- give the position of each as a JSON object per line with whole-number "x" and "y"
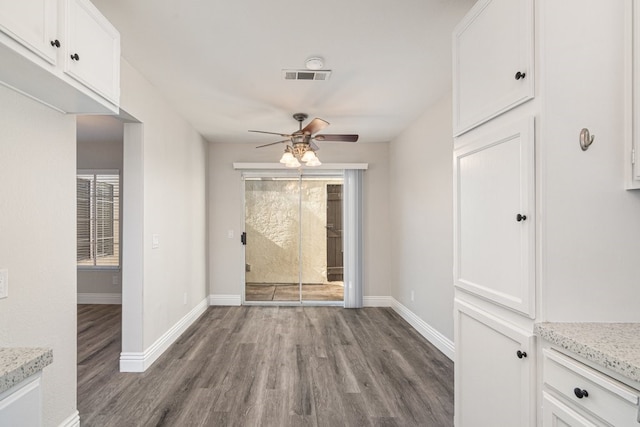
{"x": 301, "y": 144}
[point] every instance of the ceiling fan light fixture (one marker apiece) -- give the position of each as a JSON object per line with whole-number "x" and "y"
{"x": 314, "y": 63}
{"x": 308, "y": 156}
{"x": 287, "y": 157}
{"x": 299, "y": 145}
{"x": 293, "y": 163}
{"x": 314, "y": 162}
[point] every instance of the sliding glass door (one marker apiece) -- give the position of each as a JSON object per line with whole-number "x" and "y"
{"x": 293, "y": 251}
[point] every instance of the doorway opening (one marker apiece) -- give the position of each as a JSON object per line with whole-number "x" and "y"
{"x": 294, "y": 244}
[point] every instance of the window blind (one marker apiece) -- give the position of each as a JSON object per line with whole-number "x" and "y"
{"x": 98, "y": 219}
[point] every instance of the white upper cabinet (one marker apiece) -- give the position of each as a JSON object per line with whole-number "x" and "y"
{"x": 493, "y": 61}
{"x": 494, "y": 217}
{"x": 33, "y": 24}
{"x": 63, "y": 53}
{"x": 93, "y": 49}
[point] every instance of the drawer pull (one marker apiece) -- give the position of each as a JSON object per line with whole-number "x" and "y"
{"x": 580, "y": 393}
{"x": 521, "y": 354}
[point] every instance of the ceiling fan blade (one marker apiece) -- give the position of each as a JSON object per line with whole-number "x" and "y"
{"x": 272, "y": 143}
{"x": 316, "y": 125}
{"x": 271, "y": 133}
{"x": 335, "y": 137}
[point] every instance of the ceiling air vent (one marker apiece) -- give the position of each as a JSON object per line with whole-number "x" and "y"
{"x": 306, "y": 74}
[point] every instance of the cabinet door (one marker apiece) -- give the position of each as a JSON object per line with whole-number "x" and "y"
{"x": 494, "y": 217}
{"x": 33, "y": 24}
{"x": 494, "y": 371}
{"x": 93, "y": 50}
{"x": 493, "y": 61}
{"x": 557, "y": 414}
{"x": 21, "y": 406}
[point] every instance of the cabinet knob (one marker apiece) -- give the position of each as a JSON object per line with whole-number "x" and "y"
{"x": 580, "y": 393}
{"x": 521, "y": 217}
{"x": 55, "y": 43}
{"x": 522, "y": 354}
{"x": 75, "y": 57}
{"x": 520, "y": 75}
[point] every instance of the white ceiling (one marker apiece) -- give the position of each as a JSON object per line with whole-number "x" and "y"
{"x": 219, "y": 63}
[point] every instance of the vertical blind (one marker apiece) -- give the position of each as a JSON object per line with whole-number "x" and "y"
{"x": 98, "y": 219}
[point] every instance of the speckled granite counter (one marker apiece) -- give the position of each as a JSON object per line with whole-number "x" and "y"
{"x": 615, "y": 346}
{"x": 18, "y": 364}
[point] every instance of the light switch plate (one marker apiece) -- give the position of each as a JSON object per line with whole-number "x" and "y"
{"x": 4, "y": 283}
{"x": 155, "y": 241}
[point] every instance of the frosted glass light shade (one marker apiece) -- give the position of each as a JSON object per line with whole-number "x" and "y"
{"x": 308, "y": 156}
{"x": 293, "y": 163}
{"x": 314, "y": 162}
{"x": 287, "y": 157}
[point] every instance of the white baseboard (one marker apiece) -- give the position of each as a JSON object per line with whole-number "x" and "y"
{"x": 72, "y": 421}
{"x": 442, "y": 343}
{"x": 139, "y": 362}
{"x": 234, "y": 300}
{"x": 378, "y": 301}
{"x": 90, "y": 298}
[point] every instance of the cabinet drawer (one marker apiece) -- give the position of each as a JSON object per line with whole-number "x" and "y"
{"x": 602, "y": 396}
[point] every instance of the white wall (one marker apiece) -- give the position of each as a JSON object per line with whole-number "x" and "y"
{"x": 100, "y": 152}
{"x": 171, "y": 168}
{"x": 590, "y": 225}
{"x": 37, "y": 241}
{"x": 226, "y": 211}
{"x": 421, "y": 188}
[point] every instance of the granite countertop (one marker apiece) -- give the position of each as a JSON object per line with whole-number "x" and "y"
{"x": 18, "y": 364}
{"x": 615, "y": 346}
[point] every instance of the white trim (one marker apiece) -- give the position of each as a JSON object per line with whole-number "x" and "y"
{"x": 139, "y": 362}
{"x": 442, "y": 343}
{"x": 97, "y": 298}
{"x": 378, "y": 301}
{"x": 280, "y": 166}
{"x": 230, "y": 300}
{"x": 72, "y": 421}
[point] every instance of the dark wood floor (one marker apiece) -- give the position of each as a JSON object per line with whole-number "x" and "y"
{"x": 268, "y": 366}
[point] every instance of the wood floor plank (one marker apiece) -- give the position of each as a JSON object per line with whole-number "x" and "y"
{"x": 268, "y": 366}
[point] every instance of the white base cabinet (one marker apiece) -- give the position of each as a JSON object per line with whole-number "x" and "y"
{"x": 495, "y": 370}
{"x": 21, "y": 405}
{"x": 557, "y": 414}
{"x": 584, "y": 395}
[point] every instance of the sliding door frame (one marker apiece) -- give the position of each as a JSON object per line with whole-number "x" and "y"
{"x": 352, "y": 221}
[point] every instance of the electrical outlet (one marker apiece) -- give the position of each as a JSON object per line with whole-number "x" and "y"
{"x": 230, "y": 234}
{"x": 185, "y": 298}
{"x": 115, "y": 280}
{"x": 155, "y": 241}
{"x": 412, "y": 296}
{"x": 4, "y": 283}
